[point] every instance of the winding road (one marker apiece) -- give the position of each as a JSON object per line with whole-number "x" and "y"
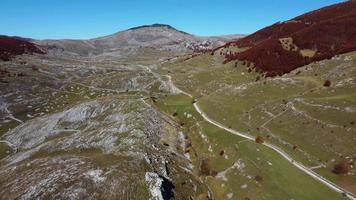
{"x": 299, "y": 165}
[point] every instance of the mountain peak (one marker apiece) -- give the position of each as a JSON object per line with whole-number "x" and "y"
{"x": 157, "y": 25}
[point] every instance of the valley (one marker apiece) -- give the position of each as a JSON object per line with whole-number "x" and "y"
{"x": 156, "y": 113}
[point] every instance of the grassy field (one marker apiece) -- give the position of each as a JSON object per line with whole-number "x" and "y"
{"x": 235, "y": 168}
{"x": 313, "y": 123}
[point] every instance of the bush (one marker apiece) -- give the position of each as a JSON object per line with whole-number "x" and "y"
{"x": 204, "y": 168}
{"x": 34, "y": 68}
{"x": 222, "y": 152}
{"x": 258, "y": 78}
{"x": 341, "y": 168}
{"x": 213, "y": 173}
{"x": 327, "y": 83}
{"x": 259, "y": 140}
{"x": 258, "y": 178}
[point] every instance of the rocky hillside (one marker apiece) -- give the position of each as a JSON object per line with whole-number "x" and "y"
{"x": 72, "y": 129}
{"x": 129, "y": 42}
{"x": 285, "y": 46}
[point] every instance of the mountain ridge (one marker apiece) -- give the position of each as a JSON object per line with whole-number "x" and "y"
{"x": 159, "y": 36}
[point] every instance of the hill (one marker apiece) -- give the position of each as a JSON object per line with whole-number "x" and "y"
{"x": 285, "y": 46}
{"x": 13, "y": 46}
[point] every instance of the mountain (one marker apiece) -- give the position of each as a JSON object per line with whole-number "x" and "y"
{"x": 13, "y": 46}
{"x": 285, "y": 46}
{"x": 157, "y": 36}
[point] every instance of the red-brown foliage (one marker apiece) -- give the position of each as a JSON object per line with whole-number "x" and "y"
{"x": 259, "y": 140}
{"x": 13, "y": 46}
{"x": 341, "y": 168}
{"x": 330, "y": 31}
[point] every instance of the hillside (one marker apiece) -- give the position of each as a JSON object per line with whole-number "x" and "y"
{"x": 311, "y": 37}
{"x": 312, "y": 121}
{"x": 13, "y": 46}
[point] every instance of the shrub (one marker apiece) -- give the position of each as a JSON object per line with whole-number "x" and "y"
{"x": 327, "y": 83}
{"x": 258, "y": 178}
{"x": 213, "y": 173}
{"x": 259, "y": 140}
{"x": 341, "y": 168}
{"x": 258, "y": 78}
{"x": 34, "y": 68}
{"x": 222, "y": 152}
{"x": 204, "y": 167}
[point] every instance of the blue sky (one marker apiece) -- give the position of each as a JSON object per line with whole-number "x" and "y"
{"x": 83, "y": 19}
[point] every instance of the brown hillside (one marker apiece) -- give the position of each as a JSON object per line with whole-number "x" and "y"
{"x": 325, "y": 32}
{"x": 13, "y": 46}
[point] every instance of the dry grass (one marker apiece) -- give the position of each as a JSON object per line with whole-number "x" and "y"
{"x": 307, "y": 53}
